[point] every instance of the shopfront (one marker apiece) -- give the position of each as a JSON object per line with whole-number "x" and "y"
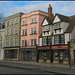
{"x": 60, "y": 54}
{"x": 11, "y": 54}
{"x": 27, "y": 54}
{"x": 44, "y": 54}
{"x": 54, "y": 54}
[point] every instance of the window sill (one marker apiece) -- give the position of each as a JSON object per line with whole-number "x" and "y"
{"x": 25, "y": 25}
{"x": 16, "y": 23}
{"x": 24, "y": 35}
{"x": 33, "y": 34}
{"x": 33, "y": 23}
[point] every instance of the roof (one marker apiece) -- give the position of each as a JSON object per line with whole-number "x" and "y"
{"x": 71, "y": 24}
{"x": 62, "y": 17}
{"x": 48, "y": 20}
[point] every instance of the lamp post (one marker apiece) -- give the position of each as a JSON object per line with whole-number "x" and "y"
{"x": 69, "y": 55}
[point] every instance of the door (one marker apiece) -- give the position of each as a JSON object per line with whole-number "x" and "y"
{"x": 45, "y": 56}
{"x": 61, "y": 56}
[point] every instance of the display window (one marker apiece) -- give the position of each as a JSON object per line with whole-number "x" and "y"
{"x": 66, "y": 55}
{"x": 56, "y": 56}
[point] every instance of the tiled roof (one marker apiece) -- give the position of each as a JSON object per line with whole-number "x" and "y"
{"x": 62, "y": 17}
{"x": 71, "y": 24}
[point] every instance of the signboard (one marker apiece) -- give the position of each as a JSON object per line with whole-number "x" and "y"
{"x": 43, "y": 47}
{"x": 60, "y": 47}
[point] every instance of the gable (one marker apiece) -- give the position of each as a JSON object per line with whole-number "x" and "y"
{"x": 44, "y": 22}
{"x": 56, "y": 19}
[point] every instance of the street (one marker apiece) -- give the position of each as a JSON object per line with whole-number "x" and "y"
{"x": 11, "y": 70}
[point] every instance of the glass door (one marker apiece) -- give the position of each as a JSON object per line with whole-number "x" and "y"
{"x": 61, "y": 56}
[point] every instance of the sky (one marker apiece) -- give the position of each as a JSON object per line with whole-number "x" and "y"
{"x": 9, "y": 8}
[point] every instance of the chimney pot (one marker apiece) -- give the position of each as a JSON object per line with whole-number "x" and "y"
{"x": 49, "y": 5}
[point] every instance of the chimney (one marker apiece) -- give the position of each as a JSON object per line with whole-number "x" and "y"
{"x": 50, "y": 11}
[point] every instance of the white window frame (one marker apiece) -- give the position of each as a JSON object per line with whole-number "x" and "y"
{"x": 7, "y": 24}
{"x": 15, "y": 44}
{"x": 16, "y": 20}
{"x": 33, "y": 20}
{"x": 6, "y": 42}
{"x": 11, "y": 22}
{"x": 11, "y": 41}
{"x": 11, "y": 31}
{"x": 16, "y": 30}
{"x": 24, "y": 22}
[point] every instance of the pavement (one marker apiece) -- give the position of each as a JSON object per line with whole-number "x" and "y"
{"x": 47, "y": 67}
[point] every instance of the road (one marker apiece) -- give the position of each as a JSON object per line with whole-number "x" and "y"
{"x": 12, "y": 70}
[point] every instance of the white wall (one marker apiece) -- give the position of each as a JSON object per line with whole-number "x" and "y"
{"x": 72, "y": 36}
{"x": 45, "y": 22}
{"x": 40, "y": 41}
{"x": 46, "y": 34}
{"x": 64, "y": 25}
{"x": 52, "y": 40}
{"x": 56, "y": 19}
{"x": 67, "y": 38}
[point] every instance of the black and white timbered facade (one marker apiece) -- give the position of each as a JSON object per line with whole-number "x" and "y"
{"x": 54, "y": 41}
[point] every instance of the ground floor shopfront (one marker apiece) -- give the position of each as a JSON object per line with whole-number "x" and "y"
{"x": 27, "y": 54}
{"x": 53, "y": 54}
{"x": 11, "y": 53}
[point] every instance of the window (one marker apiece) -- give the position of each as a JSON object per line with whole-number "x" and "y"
{"x": 7, "y": 31}
{"x": 59, "y": 39}
{"x": 66, "y": 55}
{"x": 11, "y": 31}
{"x": 49, "y": 40}
{"x": 16, "y": 30}
{"x": 0, "y": 37}
{"x": 6, "y": 43}
{"x": 16, "y": 20}
{"x": 7, "y": 23}
{"x": 33, "y": 31}
{"x": 33, "y": 42}
{"x": 62, "y": 39}
{"x": 11, "y": 41}
{"x": 24, "y": 32}
{"x": 33, "y": 20}
{"x": 0, "y": 44}
{"x": 11, "y": 21}
{"x": 24, "y": 43}
{"x": 15, "y": 41}
{"x": 24, "y": 22}
{"x": 56, "y": 39}
{"x": 56, "y": 56}
{"x": 44, "y": 40}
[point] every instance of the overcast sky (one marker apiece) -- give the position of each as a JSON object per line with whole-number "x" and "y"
{"x": 12, "y": 7}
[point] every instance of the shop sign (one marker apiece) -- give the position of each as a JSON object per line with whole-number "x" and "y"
{"x": 60, "y": 47}
{"x": 43, "y": 47}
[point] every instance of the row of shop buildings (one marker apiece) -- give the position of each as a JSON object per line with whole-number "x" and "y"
{"x": 39, "y": 36}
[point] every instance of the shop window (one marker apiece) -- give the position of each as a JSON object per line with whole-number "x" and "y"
{"x": 56, "y": 56}
{"x": 41, "y": 55}
{"x": 33, "y": 56}
{"x": 66, "y": 55}
{"x": 48, "y": 55}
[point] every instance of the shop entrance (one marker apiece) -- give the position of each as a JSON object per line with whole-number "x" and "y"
{"x": 45, "y": 56}
{"x": 61, "y": 56}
